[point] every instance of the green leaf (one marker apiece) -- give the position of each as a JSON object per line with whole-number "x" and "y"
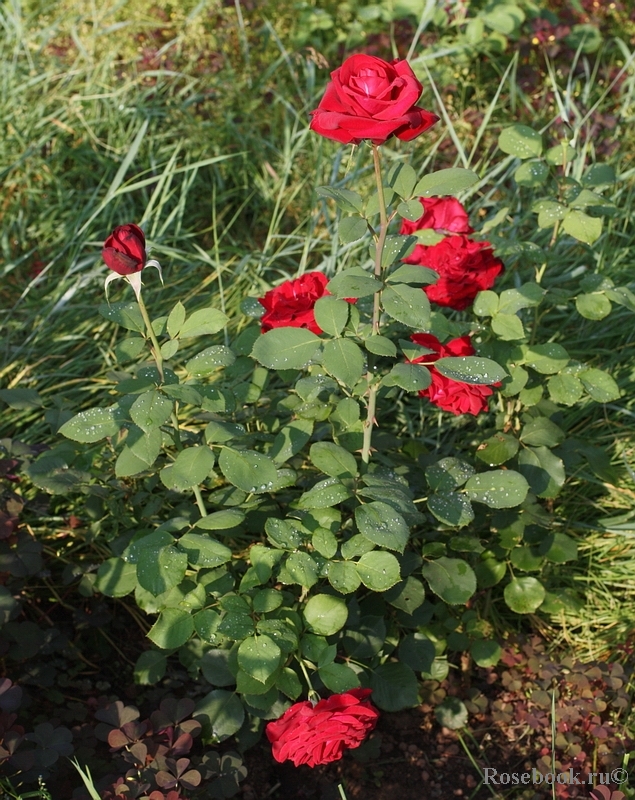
{"x": 333, "y": 460}
{"x": 565, "y": 389}
{"x": 351, "y": 229}
{"x": 89, "y": 426}
{"x": 546, "y": 358}
{"x": 508, "y": 327}
{"x": 600, "y": 385}
{"x": 410, "y": 377}
{"x": 448, "y": 473}
{"x": 407, "y": 595}
{"x": 169, "y": 349}
{"x": 378, "y": 570}
{"x": 471, "y": 369}
{"x": 412, "y": 210}
{"x": 452, "y": 579}
{"x": 202, "y": 322}
{"x": 267, "y": 600}
{"x": 542, "y": 431}
{"x": 407, "y": 305}
{"x": 215, "y": 666}
{"x": 354, "y": 282}
{"x": 582, "y": 227}
{"x": 116, "y": 578}
{"x": 290, "y": 440}
{"x": 498, "y": 449}
{"x": 221, "y": 714}
{"x": 144, "y": 445}
{"x": 485, "y": 304}
{"x": 325, "y": 494}
{"x": 520, "y": 141}
{"x": 380, "y": 346}
{"x": 343, "y": 576}
{"x": 417, "y": 652}
{"x": 501, "y": 488}
{"x": 250, "y": 471}
{"x": 150, "y": 668}
{"x": 176, "y": 319}
{"x": 451, "y": 509}
{"x": 324, "y": 542}
{"x": 395, "y": 686}
{"x": 325, "y": 614}
{"x": 402, "y": 179}
{"x": 259, "y": 657}
{"x": 221, "y": 520}
{"x": 331, "y": 314}
{"x": 382, "y": 525}
{"x": 344, "y": 360}
{"x": 524, "y": 595}
{"x": 599, "y": 175}
{"x": 543, "y": 470}
{"x": 203, "y": 551}
{"x": 593, "y": 306}
{"x": 299, "y": 568}
{"x": 283, "y": 533}
{"x": 125, "y": 314}
{"x": 286, "y": 348}
{"x": 531, "y": 173}
{"x": 128, "y": 463}
{"x": 173, "y": 628}
{"x": 395, "y": 248}
{"x": 151, "y": 410}
{"x": 348, "y": 201}
{"x": 549, "y": 212}
{"x": 559, "y": 548}
{"x": 191, "y": 467}
{"x": 210, "y": 359}
{"x": 451, "y": 713}
{"x": 412, "y": 274}
{"x": 450, "y": 181}
{"x": 161, "y": 568}
{"x": 485, "y": 652}
{"x": 338, "y": 677}
{"x": 526, "y": 296}
{"x": 130, "y": 348}
{"x": 23, "y": 399}
{"x": 560, "y": 154}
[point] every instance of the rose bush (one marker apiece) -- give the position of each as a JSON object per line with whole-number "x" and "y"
{"x": 318, "y": 734}
{"x": 124, "y": 250}
{"x": 439, "y": 214}
{"x": 465, "y": 267}
{"x": 369, "y": 98}
{"x": 450, "y": 395}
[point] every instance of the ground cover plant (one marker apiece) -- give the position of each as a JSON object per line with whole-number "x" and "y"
{"x": 356, "y": 454}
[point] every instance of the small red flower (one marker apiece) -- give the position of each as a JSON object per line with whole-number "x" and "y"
{"x": 291, "y": 304}
{"x": 125, "y": 250}
{"x": 449, "y": 395}
{"x": 308, "y": 734}
{"x": 440, "y": 214}
{"x": 465, "y": 268}
{"x": 369, "y": 98}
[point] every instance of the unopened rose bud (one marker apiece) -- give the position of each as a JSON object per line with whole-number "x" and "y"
{"x": 125, "y": 250}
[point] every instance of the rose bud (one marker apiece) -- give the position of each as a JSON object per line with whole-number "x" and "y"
{"x": 125, "y": 250}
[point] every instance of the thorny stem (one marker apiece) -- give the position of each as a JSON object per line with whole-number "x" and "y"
{"x": 379, "y": 249}
{"x": 156, "y": 349}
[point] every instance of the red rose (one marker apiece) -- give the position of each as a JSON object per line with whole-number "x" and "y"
{"x": 465, "y": 268}
{"x": 440, "y": 214}
{"x": 290, "y": 305}
{"x": 307, "y": 734}
{"x": 454, "y": 396}
{"x": 125, "y": 250}
{"x": 370, "y": 98}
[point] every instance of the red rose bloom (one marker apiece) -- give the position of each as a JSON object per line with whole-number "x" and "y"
{"x": 307, "y": 734}
{"x": 439, "y": 214}
{"x": 290, "y": 305}
{"x": 125, "y": 250}
{"x": 465, "y": 268}
{"x": 454, "y": 396}
{"x": 369, "y": 98}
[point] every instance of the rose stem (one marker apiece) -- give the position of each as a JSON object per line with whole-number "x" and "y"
{"x": 379, "y": 249}
{"x": 314, "y": 697}
{"x": 155, "y": 349}
{"x": 158, "y": 358}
